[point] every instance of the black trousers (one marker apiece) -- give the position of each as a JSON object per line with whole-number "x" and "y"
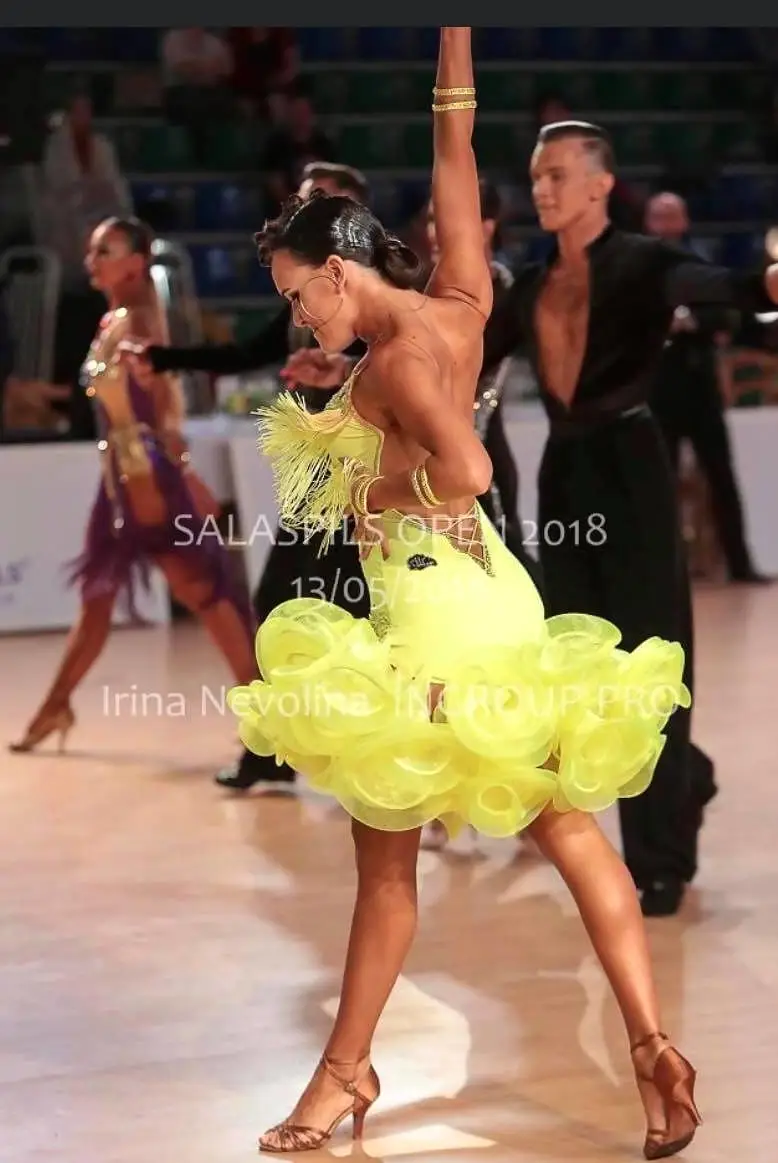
{"x": 693, "y": 411}
{"x": 610, "y": 545}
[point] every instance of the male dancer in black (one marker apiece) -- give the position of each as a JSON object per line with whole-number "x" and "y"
{"x": 594, "y": 318}
{"x": 293, "y": 567}
{"x": 687, "y": 399}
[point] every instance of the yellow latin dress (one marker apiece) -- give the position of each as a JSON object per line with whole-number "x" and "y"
{"x": 457, "y": 699}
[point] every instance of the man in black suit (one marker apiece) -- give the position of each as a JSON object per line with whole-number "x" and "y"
{"x": 687, "y": 399}
{"x": 293, "y": 567}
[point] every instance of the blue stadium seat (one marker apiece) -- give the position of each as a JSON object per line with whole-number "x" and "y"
{"x": 623, "y": 44}
{"x": 743, "y": 196}
{"x": 325, "y": 44}
{"x": 742, "y": 250}
{"x": 229, "y": 270}
{"x": 78, "y": 44}
{"x": 681, "y": 44}
{"x": 175, "y": 200}
{"x": 411, "y": 196}
{"x": 731, "y": 44}
{"x": 564, "y": 44}
{"x": 508, "y": 44}
{"x": 228, "y": 206}
{"x": 136, "y": 45}
{"x": 385, "y": 44}
{"x": 427, "y": 42}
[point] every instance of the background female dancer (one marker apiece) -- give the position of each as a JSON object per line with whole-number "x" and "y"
{"x": 400, "y": 443}
{"x": 146, "y": 483}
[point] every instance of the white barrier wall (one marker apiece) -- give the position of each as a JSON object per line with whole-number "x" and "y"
{"x": 46, "y": 492}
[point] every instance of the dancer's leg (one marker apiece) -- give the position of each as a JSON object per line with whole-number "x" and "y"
{"x": 84, "y": 646}
{"x": 223, "y": 620}
{"x": 610, "y": 910}
{"x": 382, "y": 931}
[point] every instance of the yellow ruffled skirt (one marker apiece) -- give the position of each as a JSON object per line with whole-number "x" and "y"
{"x": 458, "y": 700}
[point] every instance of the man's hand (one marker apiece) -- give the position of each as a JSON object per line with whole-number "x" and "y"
{"x": 311, "y": 368}
{"x": 135, "y": 356}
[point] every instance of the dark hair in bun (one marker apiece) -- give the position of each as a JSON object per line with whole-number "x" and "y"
{"x": 334, "y": 224}
{"x": 139, "y": 236}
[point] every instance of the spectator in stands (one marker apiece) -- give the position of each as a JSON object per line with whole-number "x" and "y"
{"x": 198, "y": 66}
{"x": 266, "y": 64}
{"x": 687, "y": 399}
{"x": 551, "y": 107}
{"x": 82, "y": 184}
{"x": 292, "y": 146}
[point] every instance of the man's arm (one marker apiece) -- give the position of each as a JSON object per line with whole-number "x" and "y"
{"x": 228, "y": 359}
{"x": 503, "y": 335}
{"x": 692, "y": 282}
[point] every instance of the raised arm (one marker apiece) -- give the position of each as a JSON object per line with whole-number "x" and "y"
{"x": 462, "y": 270}
{"x": 690, "y": 282}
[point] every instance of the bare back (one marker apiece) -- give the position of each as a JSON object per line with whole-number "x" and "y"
{"x": 449, "y": 335}
{"x": 562, "y": 327}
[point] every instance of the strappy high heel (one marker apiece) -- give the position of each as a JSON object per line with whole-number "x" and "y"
{"x": 672, "y": 1080}
{"x": 44, "y": 724}
{"x": 288, "y": 1137}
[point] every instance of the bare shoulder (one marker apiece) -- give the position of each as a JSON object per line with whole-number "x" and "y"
{"x": 403, "y": 356}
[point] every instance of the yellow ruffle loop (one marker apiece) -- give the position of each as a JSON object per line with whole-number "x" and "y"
{"x": 311, "y": 485}
{"x": 403, "y": 766}
{"x": 599, "y": 759}
{"x": 500, "y": 709}
{"x": 578, "y": 660}
{"x": 500, "y": 799}
{"x": 344, "y": 709}
{"x": 650, "y": 684}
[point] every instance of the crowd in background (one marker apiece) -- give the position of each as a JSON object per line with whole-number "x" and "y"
{"x": 205, "y": 79}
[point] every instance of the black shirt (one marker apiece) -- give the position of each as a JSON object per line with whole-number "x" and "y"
{"x": 636, "y": 282}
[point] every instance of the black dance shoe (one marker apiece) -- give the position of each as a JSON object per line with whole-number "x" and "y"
{"x": 750, "y": 577}
{"x": 662, "y": 898}
{"x": 253, "y": 769}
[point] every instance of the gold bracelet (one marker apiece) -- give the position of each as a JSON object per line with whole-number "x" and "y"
{"x": 426, "y": 487}
{"x": 421, "y": 487}
{"x": 452, "y": 105}
{"x": 460, "y": 92}
{"x": 359, "y": 492}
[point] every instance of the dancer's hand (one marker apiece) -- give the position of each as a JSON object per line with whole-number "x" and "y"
{"x": 310, "y": 368}
{"x": 370, "y": 533}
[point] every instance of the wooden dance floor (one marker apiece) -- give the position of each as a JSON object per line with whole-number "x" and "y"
{"x": 170, "y": 955}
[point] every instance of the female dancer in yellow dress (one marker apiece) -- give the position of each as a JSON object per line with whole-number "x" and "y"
{"x": 457, "y": 700}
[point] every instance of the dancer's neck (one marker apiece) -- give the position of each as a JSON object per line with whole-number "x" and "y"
{"x": 133, "y": 293}
{"x": 575, "y": 240}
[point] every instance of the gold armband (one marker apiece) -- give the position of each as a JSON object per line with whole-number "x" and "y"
{"x": 420, "y": 483}
{"x": 461, "y": 92}
{"x": 359, "y": 491}
{"x": 452, "y": 106}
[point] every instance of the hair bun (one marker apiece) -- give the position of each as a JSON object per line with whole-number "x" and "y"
{"x": 396, "y": 261}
